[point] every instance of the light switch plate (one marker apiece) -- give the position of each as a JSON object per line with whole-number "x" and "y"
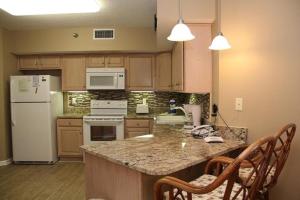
{"x": 239, "y": 104}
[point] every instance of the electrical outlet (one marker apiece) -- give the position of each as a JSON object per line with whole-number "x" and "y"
{"x": 239, "y": 104}
{"x": 74, "y": 102}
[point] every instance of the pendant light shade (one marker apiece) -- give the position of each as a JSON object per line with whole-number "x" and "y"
{"x": 181, "y": 32}
{"x": 219, "y": 43}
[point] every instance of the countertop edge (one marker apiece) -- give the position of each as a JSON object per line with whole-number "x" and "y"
{"x": 152, "y": 173}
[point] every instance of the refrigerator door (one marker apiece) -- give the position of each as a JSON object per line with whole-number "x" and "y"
{"x": 30, "y": 88}
{"x": 32, "y": 135}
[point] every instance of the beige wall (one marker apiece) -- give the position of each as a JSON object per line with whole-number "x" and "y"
{"x": 7, "y": 67}
{"x": 2, "y": 131}
{"x": 61, "y": 40}
{"x": 263, "y": 68}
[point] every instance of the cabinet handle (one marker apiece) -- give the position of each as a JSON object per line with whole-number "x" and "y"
{"x": 138, "y": 124}
{"x": 69, "y": 123}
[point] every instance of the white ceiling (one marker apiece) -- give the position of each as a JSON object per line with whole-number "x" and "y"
{"x": 125, "y": 13}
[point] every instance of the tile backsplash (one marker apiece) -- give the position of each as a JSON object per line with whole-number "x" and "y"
{"x": 79, "y": 102}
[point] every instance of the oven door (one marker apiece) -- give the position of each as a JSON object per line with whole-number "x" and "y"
{"x": 103, "y": 130}
{"x": 106, "y": 81}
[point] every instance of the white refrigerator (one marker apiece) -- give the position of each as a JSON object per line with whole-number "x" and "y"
{"x": 36, "y": 101}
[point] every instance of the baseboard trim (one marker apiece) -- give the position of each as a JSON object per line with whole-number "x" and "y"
{"x": 5, "y": 162}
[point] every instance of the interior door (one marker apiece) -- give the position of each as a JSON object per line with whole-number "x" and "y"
{"x": 31, "y": 132}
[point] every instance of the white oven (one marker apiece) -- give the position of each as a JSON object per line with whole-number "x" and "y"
{"x": 105, "y": 78}
{"x": 103, "y": 128}
{"x": 106, "y": 121}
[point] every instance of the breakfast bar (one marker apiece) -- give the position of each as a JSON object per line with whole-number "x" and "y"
{"x": 133, "y": 165}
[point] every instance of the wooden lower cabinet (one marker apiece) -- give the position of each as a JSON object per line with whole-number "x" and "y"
{"x": 138, "y": 127}
{"x": 69, "y": 137}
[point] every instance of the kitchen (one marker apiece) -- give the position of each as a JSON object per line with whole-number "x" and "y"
{"x": 240, "y": 72}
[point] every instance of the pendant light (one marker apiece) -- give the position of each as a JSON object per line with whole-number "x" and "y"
{"x": 181, "y": 31}
{"x": 219, "y": 42}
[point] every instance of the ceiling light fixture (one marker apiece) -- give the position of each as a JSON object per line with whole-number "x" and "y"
{"x": 219, "y": 42}
{"x": 181, "y": 31}
{"x": 46, "y": 7}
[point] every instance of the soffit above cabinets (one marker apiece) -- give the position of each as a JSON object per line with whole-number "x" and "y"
{"x": 129, "y": 13}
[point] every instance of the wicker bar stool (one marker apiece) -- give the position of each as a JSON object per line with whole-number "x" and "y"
{"x": 221, "y": 179}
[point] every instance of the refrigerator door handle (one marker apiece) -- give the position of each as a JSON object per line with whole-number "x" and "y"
{"x": 13, "y": 120}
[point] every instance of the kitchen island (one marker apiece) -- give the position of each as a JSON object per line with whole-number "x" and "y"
{"x": 127, "y": 169}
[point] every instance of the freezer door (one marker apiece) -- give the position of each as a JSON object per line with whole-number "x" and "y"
{"x": 30, "y": 88}
{"x": 32, "y": 136}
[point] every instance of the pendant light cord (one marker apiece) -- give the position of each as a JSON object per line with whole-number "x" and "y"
{"x": 218, "y": 4}
{"x": 179, "y": 9}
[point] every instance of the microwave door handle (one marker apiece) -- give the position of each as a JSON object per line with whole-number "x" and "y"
{"x": 116, "y": 81}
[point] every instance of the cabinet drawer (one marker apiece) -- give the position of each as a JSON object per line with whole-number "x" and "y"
{"x": 137, "y": 123}
{"x": 137, "y": 133}
{"x": 144, "y": 130}
{"x": 69, "y": 122}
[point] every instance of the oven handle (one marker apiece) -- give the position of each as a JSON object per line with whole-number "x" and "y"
{"x": 119, "y": 120}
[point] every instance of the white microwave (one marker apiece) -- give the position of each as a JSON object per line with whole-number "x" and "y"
{"x": 105, "y": 78}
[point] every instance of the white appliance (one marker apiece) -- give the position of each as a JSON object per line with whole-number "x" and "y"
{"x": 105, "y": 78}
{"x": 36, "y": 101}
{"x": 142, "y": 108}
{"x": 195, "y": 111}
{"x": 106, "y": 121}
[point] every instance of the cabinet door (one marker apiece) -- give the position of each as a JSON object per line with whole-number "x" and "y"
{"x": 95, "y": 61}
{"x": 69, "y": 139}
{"x": 49, "y": 62}
{"x": 163, "y": 67}
{"x": 73, "y": 73}
{"x": 28, "y": 62}
{"x": 140, "y": 72}
{"x": 177, "y": 67}
{"x": 134, "y": 132}
{"x": 198, "y": 60}
{"x": 114, "y": 61}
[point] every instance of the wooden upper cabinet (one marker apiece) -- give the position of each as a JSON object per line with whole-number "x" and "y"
{"x": 177, "y": 67}
{"x": 163, "y": 81}
{"x": 95, "y": 61}
{"x": 49, "y": 62}
{"x": 192, "y": 62}
{"x": 104, "y": 61}
{"x": 140, "y": 72}
{"x": 114, "y": 61}
{"x": 73, "y": 73}
{"x": 39, "y": 62}
{"x": 28, "y": 62}
{"x": 198, "y": 60}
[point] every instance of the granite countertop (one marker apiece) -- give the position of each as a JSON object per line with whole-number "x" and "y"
{"x": 71, "y": 116}
{"x": 129, "y": 116}
{"x": 145, "y": 116}
{"x": 167, "y": 151}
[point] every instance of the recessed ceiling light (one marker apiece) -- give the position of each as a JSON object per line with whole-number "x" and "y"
{"x": 46, "y": 7}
